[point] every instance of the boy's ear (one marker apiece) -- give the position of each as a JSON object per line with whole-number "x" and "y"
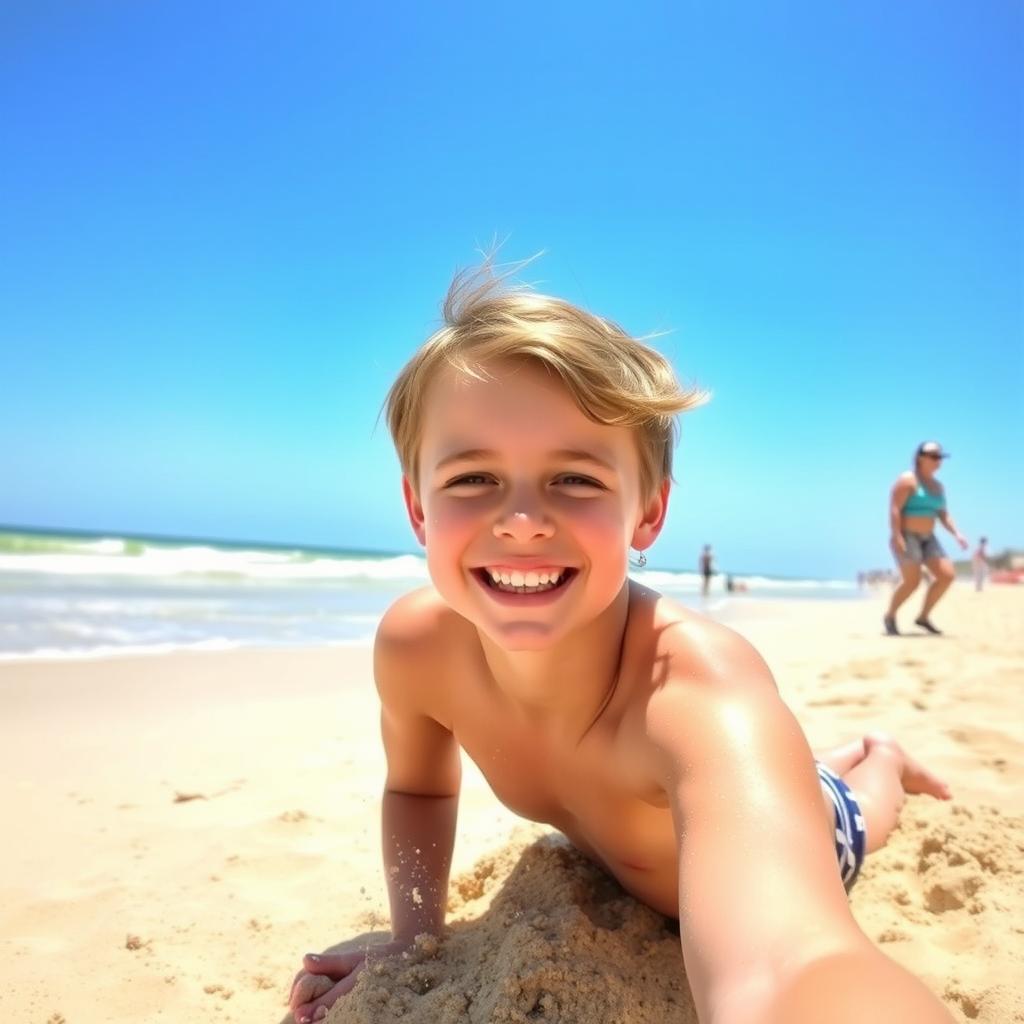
{"x": 414, "y": 509}
{"x": 653, "y": 517}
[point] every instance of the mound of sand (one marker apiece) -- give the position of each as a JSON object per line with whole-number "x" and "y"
{"x": 538, "y": 933}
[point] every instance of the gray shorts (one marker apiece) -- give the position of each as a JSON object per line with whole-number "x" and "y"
{"x": 921, "y": 547}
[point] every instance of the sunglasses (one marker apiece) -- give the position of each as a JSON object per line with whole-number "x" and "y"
{"x": 932, "y": 455}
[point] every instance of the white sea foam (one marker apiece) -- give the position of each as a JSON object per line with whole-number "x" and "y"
{"x": 115, "y": 650}
{"x": 690, "y": 582}
{"x": 92, "y": 653}
{"x": 218, "y": 563}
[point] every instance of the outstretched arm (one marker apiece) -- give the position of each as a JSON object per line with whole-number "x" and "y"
{"x": 766, "y": 931}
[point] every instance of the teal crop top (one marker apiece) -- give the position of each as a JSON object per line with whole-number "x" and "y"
{"x": 923, "y": 503}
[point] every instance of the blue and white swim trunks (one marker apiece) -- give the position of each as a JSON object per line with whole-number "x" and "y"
{"x": 850, "y": 839}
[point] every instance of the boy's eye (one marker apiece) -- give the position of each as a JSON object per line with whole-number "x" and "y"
{"x": 575, "y": 480}
{"x": 469, "y": 479}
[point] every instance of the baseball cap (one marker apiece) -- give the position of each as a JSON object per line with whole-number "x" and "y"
{"x": 932, "y": 448}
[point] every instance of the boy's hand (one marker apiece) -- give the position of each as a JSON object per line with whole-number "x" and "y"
{"x": 326, "y": 977}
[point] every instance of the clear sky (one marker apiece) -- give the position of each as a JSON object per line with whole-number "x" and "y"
{"x": 224, "y": 227}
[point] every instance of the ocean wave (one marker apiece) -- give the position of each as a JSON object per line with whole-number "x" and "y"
{"x": 661, "y": 579}
{"x": 139, "y": 558}
{"x": 118, "y": 558}
{"x": 103, "y": 651}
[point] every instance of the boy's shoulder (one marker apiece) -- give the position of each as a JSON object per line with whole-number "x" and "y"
{"x": 416, "y": 653}
{"x": 419, "y": 622}
{"x": 678, "y": 650}
{"x": 695, "y": 683}
{"x": 420, "y": 648}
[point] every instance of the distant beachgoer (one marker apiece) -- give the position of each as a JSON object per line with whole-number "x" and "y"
{"x": 980, "y": 563}
{"x": 707, "y": 568}
{"x": 917, "y": 500}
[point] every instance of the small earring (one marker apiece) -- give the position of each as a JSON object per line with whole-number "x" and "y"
{"x": 640, "y": 561}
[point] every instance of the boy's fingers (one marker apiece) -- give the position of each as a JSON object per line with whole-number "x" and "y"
{"x": 307, "y": 1013}
{"x": 336, "y": 964}
{"x": 295, "y": 981}
{"x": 308, "y": 988}
{"x": 347, "y": 984}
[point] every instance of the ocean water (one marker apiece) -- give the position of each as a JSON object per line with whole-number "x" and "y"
{"x": 75, "y": 595}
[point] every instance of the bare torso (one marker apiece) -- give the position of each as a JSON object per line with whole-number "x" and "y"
{"x": 601, "y": 792}
{"x": 922, "y": 524}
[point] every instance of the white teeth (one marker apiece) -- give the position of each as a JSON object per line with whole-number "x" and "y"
{"x": 530, "y": 580}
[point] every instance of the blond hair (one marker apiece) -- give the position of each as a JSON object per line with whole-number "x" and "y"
{"x": 613, "y": 378}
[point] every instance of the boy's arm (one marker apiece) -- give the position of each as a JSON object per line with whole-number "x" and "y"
{"x": 766, "y": 930}
{"x": 422, "y": 788}
{"x": 418, "y": 826}
{"x": 418, "y": 810}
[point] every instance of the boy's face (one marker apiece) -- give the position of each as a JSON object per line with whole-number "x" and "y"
{"x": 515, "y": 482}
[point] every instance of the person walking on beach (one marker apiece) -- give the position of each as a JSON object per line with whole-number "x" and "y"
{"x": 980, "y": 564}
{"x": 917, "y": 500}
{"x": 707, "y": 568}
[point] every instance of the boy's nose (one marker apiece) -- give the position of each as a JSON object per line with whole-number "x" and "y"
{"x": 524, "y": 525}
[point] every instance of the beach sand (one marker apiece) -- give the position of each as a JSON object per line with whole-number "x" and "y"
{"x": 179, "y": 829}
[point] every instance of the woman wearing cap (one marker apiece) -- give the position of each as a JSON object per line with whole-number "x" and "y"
{"x": 918, "y": 499}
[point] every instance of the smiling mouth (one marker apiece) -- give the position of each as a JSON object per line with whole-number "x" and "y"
{"x": 516, "y": 582}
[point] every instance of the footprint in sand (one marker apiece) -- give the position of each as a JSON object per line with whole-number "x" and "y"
{"x": 873, "y": 669}
{"x": 996, "y": 749}
{"x": 860, "y": 700}
{"x": 868, "y": 669}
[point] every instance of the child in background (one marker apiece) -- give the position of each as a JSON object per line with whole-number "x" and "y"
{"x": 536, "y": 446}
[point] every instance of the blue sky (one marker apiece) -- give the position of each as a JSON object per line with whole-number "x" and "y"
{"x": 224, "y": 228}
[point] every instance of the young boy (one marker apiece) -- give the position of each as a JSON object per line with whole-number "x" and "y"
{"x": 536, "y": 445}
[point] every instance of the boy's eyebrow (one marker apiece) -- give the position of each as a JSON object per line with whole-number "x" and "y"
{"x": 465, "y": 456}
{"x": 579, "y": 455}
{"x": 568, "y": 454}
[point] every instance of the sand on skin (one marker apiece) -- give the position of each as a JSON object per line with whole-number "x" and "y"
{"x": 120, "y": 899}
